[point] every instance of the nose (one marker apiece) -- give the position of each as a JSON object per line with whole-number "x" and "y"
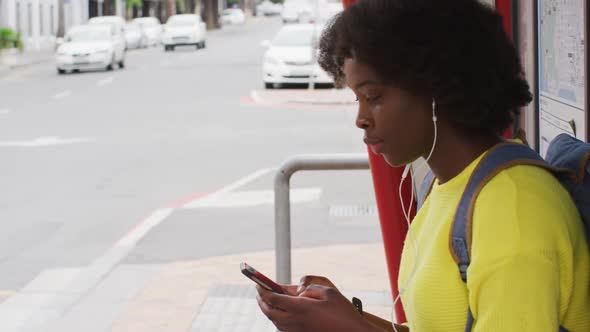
{"x": 363, "y": 119}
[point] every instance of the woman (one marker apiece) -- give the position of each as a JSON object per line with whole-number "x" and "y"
{"x": 440, "y": 79}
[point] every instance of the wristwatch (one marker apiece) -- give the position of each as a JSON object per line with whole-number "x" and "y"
{"x": 358, "y": 304}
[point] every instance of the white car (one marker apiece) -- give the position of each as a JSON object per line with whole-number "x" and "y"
{"x": 233, "y": 16}
{"x": 268, "y": 8}
{"x": 184, "y": 29}
{"x": 152, "y": 28}
{"x": 306, "y": 11}
{"x": 118, "y": 24}
{"x": 135, "y": 36}
{"x": 289, "y": 59}
{"x": 294, "y": 10}
{"x": 89, "y": 47}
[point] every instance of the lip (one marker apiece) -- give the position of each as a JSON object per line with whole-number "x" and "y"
{"x": 375, "y": 144}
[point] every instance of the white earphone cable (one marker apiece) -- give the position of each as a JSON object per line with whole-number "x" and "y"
{"x": 407, "y": 214}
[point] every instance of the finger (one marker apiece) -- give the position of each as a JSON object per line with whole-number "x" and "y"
{"x": 274, "y": 314}
{"x": 313, "y": 280}
{"x": 281, "y": 301}
{"x": 291, "y": 289}
{"x": 263, "y": 292}
{"x": 318, "y": 292}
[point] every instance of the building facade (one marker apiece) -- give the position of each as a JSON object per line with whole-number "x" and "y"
{"x": 37, "y": 20}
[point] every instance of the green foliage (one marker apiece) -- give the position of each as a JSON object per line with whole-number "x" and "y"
{"x": 180, "y": 6}
{"x": 133, "y": 3}
{"x": 10, "y": 39}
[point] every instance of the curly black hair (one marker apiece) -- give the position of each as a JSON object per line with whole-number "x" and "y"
{"x": 455, "y": 51}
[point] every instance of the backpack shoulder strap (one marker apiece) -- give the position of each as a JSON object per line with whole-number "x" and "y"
{"x": 501, "y": 157}
{"x": 425, "y": 188}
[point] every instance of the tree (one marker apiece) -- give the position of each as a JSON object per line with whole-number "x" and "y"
{"x": 170, "y": 9}
{"x": 130, "y": 4}
{"x": 10, "y": 39}
{"x": 212, "y": 14}
{"x": 61, "y": 26}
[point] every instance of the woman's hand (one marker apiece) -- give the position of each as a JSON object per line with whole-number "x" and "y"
{"x": 306, "y": 281}
{"x": 316, "y": 308}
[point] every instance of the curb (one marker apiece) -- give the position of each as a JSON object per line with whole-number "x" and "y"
{"x": 4, "y": 69}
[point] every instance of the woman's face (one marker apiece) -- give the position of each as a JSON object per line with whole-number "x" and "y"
{"x": 397, "y": 124}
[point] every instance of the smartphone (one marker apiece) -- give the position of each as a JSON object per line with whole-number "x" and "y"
{"x": 261, "y": 279}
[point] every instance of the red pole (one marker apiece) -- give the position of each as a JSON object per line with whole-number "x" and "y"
{"x": 504, "y": 7}
{"x": 386, "y": 181}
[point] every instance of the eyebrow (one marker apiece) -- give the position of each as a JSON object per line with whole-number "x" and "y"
{"x": 367, "y": 82}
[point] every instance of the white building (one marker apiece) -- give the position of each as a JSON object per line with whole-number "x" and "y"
{"x": 37, "y": 20}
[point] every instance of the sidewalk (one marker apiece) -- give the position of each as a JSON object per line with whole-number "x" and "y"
{"x": 208, "y": 295}
{"x": 212, "y": 295}
{"x": 12, "y": 59}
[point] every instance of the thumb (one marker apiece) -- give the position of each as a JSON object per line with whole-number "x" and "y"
{"x": 290, "y": 289}
{"x": 317, "y": 292}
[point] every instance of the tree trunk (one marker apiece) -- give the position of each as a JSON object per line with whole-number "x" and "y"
{"x": 170, "y": 9}
{"x": 211, "y": 14}
{"x": 61, "y": 25}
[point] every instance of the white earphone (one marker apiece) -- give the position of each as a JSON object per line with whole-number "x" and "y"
{"x": 408, "y": 169}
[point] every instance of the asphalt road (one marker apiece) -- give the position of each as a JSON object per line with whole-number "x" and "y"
{"x": 88, "y": 158}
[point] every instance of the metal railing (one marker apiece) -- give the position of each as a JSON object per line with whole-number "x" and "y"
{"x": 282, "y": 199}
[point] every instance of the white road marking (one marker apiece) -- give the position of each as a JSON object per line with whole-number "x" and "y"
{"x": 62, "y": 95}
{"x": 4, "y": 111}
{"x": 44, "y": 141}
{"x": 165, "y": 63}
{"x": 105, "y": 81}
{"x": 144, "y": 227}
{"x": 244, "y": 181}
{"x": 137, "y": 233}
{"x": 253, "y": 198}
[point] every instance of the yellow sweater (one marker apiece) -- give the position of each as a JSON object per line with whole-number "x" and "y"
{"x": 530, "y": 266}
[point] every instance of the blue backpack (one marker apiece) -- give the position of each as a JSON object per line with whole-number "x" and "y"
{"x": 567, "y": 158}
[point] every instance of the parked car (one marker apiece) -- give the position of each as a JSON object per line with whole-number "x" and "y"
{"x": 293, "y": 10}
{"x": 233, "y": 16}
{"x": 305, "y": 11}
{"x": 90, "y": 47}
{"x": 289, "y": 58}
{"x": 116, "y": 22}
{"x": 184, "y": 29}
{"x": 152, "y": 28}
{"x": 268, "y": 8}
{"x": 135, "y": 36}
